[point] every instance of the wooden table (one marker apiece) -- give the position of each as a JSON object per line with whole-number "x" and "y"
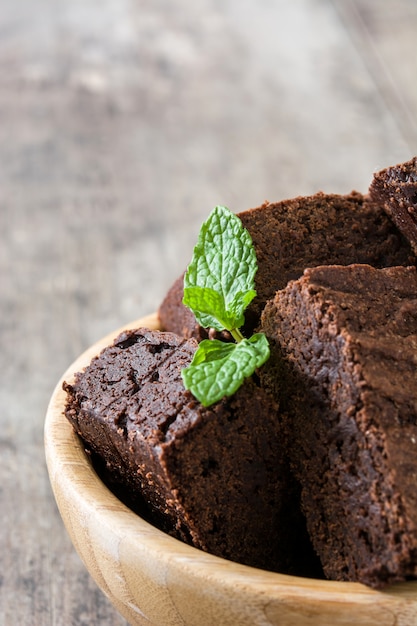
{"x": 122, "y": 124}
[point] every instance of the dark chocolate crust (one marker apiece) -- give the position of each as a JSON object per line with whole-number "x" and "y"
{"x": 344, "y": 366}
{"x": 395, "y": 189}
{"x": 213, "y": 477}
{"x": 291, "y": 235}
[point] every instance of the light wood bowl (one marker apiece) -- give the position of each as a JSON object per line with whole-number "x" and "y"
{"x": 152, "y": 578}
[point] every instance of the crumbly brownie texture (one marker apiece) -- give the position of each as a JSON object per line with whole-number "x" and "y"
{"x": 344, "y": 343}
{"x": 395, "y": 188}
{"x": 213, "y": 477}
{"x": 291, "y": 235}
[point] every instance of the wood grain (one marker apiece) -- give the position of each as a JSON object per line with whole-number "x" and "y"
{"x": 122, "y": 125}
{"x": 376, "y": 29}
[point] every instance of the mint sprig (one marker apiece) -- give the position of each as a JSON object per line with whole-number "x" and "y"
{"x": 218, "y": 286}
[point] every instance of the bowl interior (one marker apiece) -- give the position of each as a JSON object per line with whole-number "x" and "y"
{"x": 151, "y": 577}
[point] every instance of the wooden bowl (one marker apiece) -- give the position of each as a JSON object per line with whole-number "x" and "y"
{"x": 152, "y": 578}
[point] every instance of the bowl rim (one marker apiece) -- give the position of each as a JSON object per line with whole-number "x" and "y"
{"x": 68, "y": 463}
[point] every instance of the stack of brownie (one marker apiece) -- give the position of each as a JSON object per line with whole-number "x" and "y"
{"x": 314, "y": 455}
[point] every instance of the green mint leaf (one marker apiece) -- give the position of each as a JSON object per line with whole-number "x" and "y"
{"x": 218, "y": 369}
{"x": 204, "y": 300}
{"x": 224, "y": 261}
{"x": 237, "y": 307}
{"x": 218, "y": 286}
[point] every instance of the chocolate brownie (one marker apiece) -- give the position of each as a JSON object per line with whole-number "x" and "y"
{"x": 213, "y": 477}
{"x": 291, "y": 235}
{"x": 395, "y": 188}
{"x": 344, "y": 365}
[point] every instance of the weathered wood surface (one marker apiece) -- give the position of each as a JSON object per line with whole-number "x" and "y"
{"x": 122, "y": 123}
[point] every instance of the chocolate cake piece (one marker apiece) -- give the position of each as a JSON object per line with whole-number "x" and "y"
{"x": 291, "y": 235}
{"x": 213, "y": 477}
{"x": 395, "y": 188}
{"x": 344, "y": 365}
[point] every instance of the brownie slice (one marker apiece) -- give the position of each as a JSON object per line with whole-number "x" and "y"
{"x": 291, "y": 235}
{"x": 213, "y": 477}
{"x": 344, "y": 364}
{"x": 395, "y": 188}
